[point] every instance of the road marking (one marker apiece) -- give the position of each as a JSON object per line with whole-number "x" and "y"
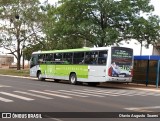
{"x": 5, "y": 100}
{"x": 95, "y": 92}
{"x": 125, "y": 92}
{"x": 111, "y": 92}
{"x": 81, "y": 93}
{"x": 56, "y": 119}
{"x": 50, "y": 94}
{"x": 66, "y": 93}
{"x": 4, "y": 85}
{"x": 144, "y": 93}
{"x": 17, "y": 96}
{"x": 156, "y": 95}
{"x": 40, "y": 96}
{"x": 142, "y": 108}
{"x": 132, "y": 93}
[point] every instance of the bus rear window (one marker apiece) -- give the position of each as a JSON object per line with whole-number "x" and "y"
{"x": 121, "y": 62}
{"x": 120, "y": 54}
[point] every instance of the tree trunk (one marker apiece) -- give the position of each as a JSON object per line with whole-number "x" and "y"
{"x": 141, "y": 48}
{"x": 18, "y": 64}
{"x": 23, "y": 62}
{"x": 18, "y": 56}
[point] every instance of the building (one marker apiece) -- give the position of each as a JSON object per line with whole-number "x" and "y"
{"x": 6, "y": 60}
{"x": 156, "y": 49}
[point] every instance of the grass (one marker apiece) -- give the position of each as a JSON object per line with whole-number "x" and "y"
{"x": 15, "y": 72}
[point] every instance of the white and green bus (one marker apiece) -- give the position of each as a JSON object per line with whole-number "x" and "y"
{"x": 91, "y": 65}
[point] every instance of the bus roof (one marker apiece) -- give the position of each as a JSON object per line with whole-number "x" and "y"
{"x": 73, "y": 50}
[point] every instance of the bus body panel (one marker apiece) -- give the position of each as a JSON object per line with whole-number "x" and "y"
{"x": 33, "y": 70}
{"x": 64, "y": 70}
{"x": 97, "y": 73}
{"x": 88, "y": 73}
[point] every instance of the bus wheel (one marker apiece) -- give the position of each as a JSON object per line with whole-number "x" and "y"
{"x": 40, "y": 77}
{"x": 73, "y": 78}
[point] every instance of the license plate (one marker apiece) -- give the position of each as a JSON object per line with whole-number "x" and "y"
{"x": 121, "y": 75}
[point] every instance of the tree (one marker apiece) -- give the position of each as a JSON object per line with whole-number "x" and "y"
{"x": 145, "y": 31}
{"x": 138, "y": 31}
{"x": 20, "y": 27}
{"x": 54, "y": 36}
{"x": 32, "y": 48}
{"x": 98, "y": 22}
{"x": 153, "y": 30}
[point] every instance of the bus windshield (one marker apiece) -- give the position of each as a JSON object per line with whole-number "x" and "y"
{"x": 121, "y": 61}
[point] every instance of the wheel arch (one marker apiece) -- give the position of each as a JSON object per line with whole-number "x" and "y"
{"x": 39, "y": 71}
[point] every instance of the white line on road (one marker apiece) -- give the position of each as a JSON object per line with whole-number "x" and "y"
{"x": 40, "y": 96}
{"x": 125, "y": 92}
{"x": 17, "y": 96}
{"x": 142, "y": 108}
{"x": 107, "y": 91}
{"x": 50, "y": 94}
{"x": 95, "y": 92}
{"x": 81, "y": 93}
{"x": 5, "y": 100}
{"x": 4, "y": 85}
{"x": 66, "y": 93}
{"x": 56, "y": 119}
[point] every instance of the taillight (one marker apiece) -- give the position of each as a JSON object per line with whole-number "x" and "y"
{"x": 110, "y": 71}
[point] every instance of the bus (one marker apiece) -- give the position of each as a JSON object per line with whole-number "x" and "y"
{"x": 84, "y": 65}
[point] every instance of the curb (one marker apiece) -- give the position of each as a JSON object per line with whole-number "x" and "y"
{"x": 23, "y": 77}
{"x": 133, "y": 86}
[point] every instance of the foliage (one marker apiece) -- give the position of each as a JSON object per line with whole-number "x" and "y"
{"x": 98, "y": 22}
{"x": 145, "y": 31}
{"x": 55, "y": 38}
{"x": 28, "y": 26}
{"x": 19, "y": 28}
{"x": 31, "y": 48}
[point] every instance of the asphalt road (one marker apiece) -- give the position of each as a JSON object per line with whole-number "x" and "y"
{"x": 30, "y": 95}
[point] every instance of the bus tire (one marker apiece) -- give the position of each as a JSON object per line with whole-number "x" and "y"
{"x": 39, "y": 75}
{"x": 73, "y": 78}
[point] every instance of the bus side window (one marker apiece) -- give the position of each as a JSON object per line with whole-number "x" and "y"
{"x": 58, "y": 58}
{"x": 41, "y": 58}
{"x": 67, "y": 58}
{"x": 102, "y": 57}
{"x": 91, "y": 57}
{"x": 34, "y": 61}
{"x": 78, "y": 58}
{"x": 49, "y": 57}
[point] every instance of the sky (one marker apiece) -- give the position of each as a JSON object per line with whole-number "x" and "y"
{"x": 133, "y": 44}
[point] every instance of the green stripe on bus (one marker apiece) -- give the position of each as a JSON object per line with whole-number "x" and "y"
{"x": 64, "y": 70}
{"x": 67, "y": 50}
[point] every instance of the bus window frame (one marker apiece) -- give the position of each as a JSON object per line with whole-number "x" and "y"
{"x": 34, "y": 62}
